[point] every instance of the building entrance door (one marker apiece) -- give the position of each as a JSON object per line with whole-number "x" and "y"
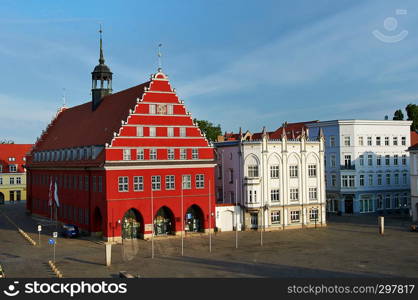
{"x": 254, "y": 220}
{"x": 348, "y": 204}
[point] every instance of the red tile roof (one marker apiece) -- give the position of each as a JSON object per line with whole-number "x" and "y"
{"x": 17, "y": 151}
{"x": 293, "y": 130}
{"x": 414, "y": 138}
{"x": 81, "y": 126}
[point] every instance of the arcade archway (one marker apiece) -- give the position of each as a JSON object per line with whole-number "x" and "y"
{"x": 194, "y": 219}
{"x": 164, "y": 221}
{"x": 97, "y": 221}
{"x": 132, "y": 225}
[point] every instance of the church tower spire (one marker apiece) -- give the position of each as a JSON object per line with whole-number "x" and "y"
{"x": 101, "y": 78}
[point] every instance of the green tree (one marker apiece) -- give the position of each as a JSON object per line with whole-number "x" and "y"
{"x": 211, "y": 131}
{"x": 398, "y": 115}
{"x": 412, "y": 112}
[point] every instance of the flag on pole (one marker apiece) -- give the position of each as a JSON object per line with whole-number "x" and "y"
{"x": 56, "y": 194}
{"x": 50, "y": 194}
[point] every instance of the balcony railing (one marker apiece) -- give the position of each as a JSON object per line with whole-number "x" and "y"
{"x": 251, "y": 180}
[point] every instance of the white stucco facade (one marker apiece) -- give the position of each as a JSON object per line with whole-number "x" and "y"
{"x": 278, "y": 184}
{"x": 367, "y": 165}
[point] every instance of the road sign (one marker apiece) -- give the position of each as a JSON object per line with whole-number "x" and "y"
{"x": 51, "y": 241}
{"x": 39, "y": 228}
{"x": 55, "y": 234}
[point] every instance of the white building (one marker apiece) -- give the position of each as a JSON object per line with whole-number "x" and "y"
{"x": 367, "y": 165}
{"x": 413, "y": 151}
{"x": 277, "y": 183}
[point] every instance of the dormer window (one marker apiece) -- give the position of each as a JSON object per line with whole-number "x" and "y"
{"x": 12, "y": 168}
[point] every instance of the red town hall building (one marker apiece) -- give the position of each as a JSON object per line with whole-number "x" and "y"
{"x": 125, "y": 161}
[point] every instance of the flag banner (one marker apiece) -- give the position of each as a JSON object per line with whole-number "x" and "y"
{"x": 50, "y": 193}
{"x": 56, "y": 195}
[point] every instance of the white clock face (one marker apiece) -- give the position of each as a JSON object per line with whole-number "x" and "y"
{"x": 162, "y": 109}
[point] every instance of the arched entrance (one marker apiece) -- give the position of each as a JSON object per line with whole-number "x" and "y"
{"x": 132, "y": 225}
{"x": 194, "y": 219}
{"x": 1, "y": 198}
{"x": 164, "y": 221}
{"x": 97, "y": 221}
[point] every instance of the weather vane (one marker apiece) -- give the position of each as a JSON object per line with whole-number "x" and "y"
{"x": 100, "y": 30}
{"x": 159, "y": 56}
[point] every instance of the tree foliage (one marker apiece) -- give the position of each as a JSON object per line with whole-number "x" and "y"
{"x": 412, "y": 113}
{"x": 398, "y": 115}
{"x": 211, "y": 131}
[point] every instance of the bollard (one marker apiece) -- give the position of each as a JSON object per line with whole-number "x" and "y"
{"x": 381, "y": 225}
{"x": 108, "y": 254}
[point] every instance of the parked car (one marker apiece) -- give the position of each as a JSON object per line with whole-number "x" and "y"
{"x": 70, "y": 231}
{"x": 2, "y": 275}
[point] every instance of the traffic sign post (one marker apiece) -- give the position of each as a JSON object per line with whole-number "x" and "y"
{"x": 53, "y": 242}
{"x": 39, "y": 234}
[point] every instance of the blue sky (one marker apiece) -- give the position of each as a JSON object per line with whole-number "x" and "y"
{"x": 235, "y": 62}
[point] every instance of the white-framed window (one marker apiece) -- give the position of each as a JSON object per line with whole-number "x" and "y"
{"x": 313, "y": 194}
{"x": 404, "y": 159}
{"x": 378, "y": 141}
{"x": 253, "y": 171}
{"x": 275, "y": 217}
{"x": 153, "y": 154}
{"x": 366, "y": 205}
{"x": 404, "y": 178}
{"x": 1, "y": 180}
{"x": 12, "y": 168}
{"x": 369, "y": 141}
{"x": 12, "y": 158}
{"x": 294, "y": 216}
{"x": 333, "y": 161}
{"x": 252, "y": 196}
{"x": 333, "y": 180}
{"x": 361, "y": 160}
{"x": 152, "y": 131}
{"x": 388, "y": 178}
{"x": 395, "y": 159}
{"x": 140, "y": 154}
{"x": 294, "y": 194}
{"x": 200, "y": 181}
{"x": 140, "y": 131}
{"x": 11, "y": 180}
{"x": 361, "y": 181}
{"x": 387, "y": 160}
{"x": 370, "y": 160}
{"x": 313, "y": 214}
{"x": 386, "y": 141}
{"x": 395, "y": 141}
{"x": 274, "y": 171}
{"x": 360, "y": 141}
{"x": 187, "y": 182}
{"x": 183, "y": 153}
{"x": 170, "y": 153}
{"x": 123, "y": 184}
{"x": 332, "y": 141}
{"x": 379, "y": 179}
{"x": 126, "y": 154}
{"x": 275, "y": 195}
{"x": 138, "y": 183}
{"x": 347, "y": 141}
{"x": 348, "y": 180}
{"x": 347, "y": 160}
{"x": 388, "y": 201}
{"x": 195, "y": 153}
{"x": 152, "y": 109}
{"x": 312, "y": 170}
{"x": 169, "y": 109}
{"x": 379, "y": 201}
{"x": 170, "y": 182}
{"x": 293, "y": 171}
{"x": 170, "y": 131}
{"x": 403, "y": 141}
{"x": 156, "y": 183}
{"x": 378, "y": 160}
{"x": 183, "y": 131}
{"x": 396, "y": 178}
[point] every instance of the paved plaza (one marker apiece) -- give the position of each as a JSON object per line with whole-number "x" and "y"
{"x": 348, "y": 247}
